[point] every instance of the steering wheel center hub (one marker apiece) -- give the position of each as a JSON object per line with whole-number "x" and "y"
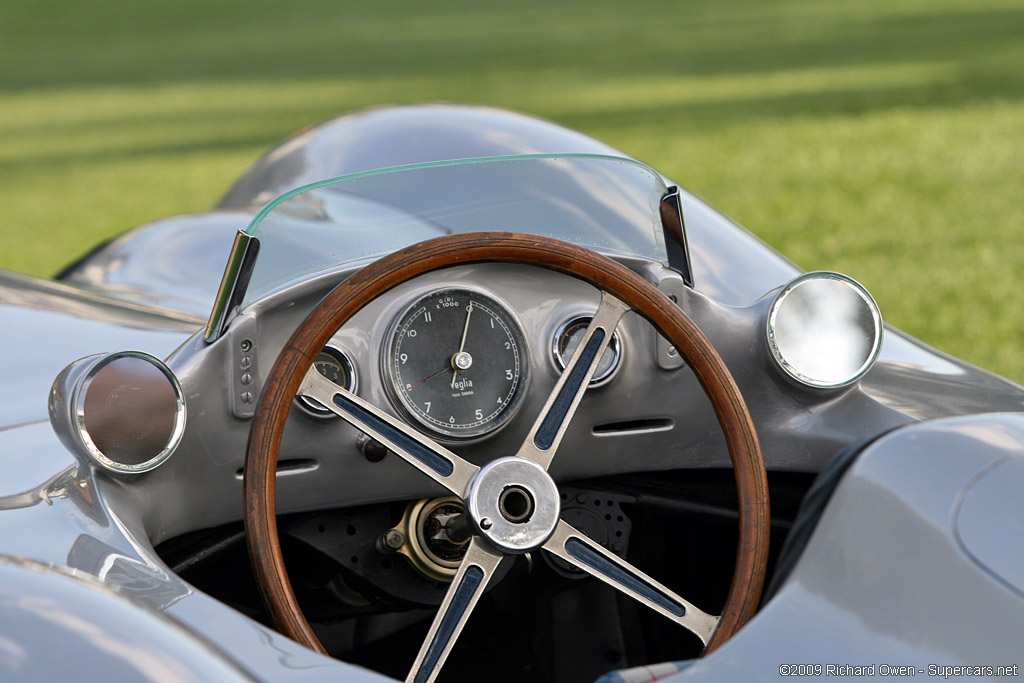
{"x": 514, "y": 504}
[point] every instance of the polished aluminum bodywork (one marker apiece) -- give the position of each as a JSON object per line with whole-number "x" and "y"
{"x": 915, "y": 503}
{"x": 915, "y": 562}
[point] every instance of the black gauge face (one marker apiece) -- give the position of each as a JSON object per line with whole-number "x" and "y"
{"x": 567, "y": 340}
{"x": 335, "y": 366}
{"x": 456, "y": 363}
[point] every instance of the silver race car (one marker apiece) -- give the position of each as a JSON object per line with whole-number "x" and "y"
{"x": 453, "y": 393}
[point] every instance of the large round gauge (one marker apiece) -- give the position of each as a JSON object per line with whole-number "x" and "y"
{"x": 456, "y": 362}
{"x": 335, "y": 365}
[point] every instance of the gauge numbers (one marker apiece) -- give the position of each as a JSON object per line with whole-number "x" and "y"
{"x": 567, "y": 340}
{"x": 456, "y": 362}
{"x": 333, "y": 364}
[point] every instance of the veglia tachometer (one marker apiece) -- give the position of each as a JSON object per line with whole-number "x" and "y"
{"x": 456, "y": 363}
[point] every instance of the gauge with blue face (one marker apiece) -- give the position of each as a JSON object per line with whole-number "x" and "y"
{"x": 456, "y": 363}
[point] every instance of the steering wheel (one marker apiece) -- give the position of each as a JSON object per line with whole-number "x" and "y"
{"x": 512, "y": 502}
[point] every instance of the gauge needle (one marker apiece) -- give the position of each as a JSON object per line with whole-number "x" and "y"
{"x": 465, "y": 329}
{"x": 428, "y": 378}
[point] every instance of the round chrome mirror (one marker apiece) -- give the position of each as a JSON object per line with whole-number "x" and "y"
{"x": 824, "y": 330}
{"x": 126, "y": 410}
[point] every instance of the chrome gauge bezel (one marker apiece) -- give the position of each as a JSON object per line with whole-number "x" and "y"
{"x": 778, "y": 354}
{"x": 313, "y": 408}
{"x": 599, "y": 379}
{"x": 78, "y": 414}
{"x": 398, "y": 401}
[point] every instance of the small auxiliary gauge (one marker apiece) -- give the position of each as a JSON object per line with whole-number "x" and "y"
{"x": 567, "y": 340}
{"x": 335, "y": 365}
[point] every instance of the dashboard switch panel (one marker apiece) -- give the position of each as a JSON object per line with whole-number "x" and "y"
{"x": 244, "y": 367}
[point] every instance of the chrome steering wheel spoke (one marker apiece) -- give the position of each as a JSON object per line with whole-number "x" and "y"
{"x": 549, "y": 428}
{"x": 434, "y": 460}
{"x": 578, "y": 550}
{"x": 475, "y": 571}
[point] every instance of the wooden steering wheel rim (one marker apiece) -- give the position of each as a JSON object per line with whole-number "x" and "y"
{"x": 351, "y": 295}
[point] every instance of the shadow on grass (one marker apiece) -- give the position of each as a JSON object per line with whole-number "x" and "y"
{"x": 263, "y": 128}
{"x": 953, "y": 91}
{"x": 61, "y": 43}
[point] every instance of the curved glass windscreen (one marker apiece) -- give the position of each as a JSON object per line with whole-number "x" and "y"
{"x": 605, "y": 203}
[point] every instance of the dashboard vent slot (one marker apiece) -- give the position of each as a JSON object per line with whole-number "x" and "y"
{"x": 650, "y": 424}
{"x": 290, "y": 466}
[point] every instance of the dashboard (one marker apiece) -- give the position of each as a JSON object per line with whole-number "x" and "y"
{"x": 468, "y": 355}
{"x": 645, "y": 411}
{"x": 456, "y": 363}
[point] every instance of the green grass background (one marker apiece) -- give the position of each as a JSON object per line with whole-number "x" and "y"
{"x": 881, "y": 138}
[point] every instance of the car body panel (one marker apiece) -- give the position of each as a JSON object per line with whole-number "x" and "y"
{"x": 62, "y": 512}
{"x": 47, "y": 325}
{"x": 173, "y": 263}
{"x": 50, "y": 630}
{"x": 884, "y": 581}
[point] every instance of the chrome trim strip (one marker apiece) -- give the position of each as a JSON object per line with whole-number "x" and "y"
{"x": 24, "y": 424}
{"x": 35, "y": 292}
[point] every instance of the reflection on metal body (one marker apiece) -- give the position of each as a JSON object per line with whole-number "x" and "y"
{"x": 175, "y": 262}
{"x": 125, "y": 411}
{"x": 884, "y": 577}
{"x": 61, "y": 624}
{"x": 824, "y": 330}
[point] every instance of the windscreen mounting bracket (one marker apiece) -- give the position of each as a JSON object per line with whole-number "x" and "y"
{"x": 675, "y": 235}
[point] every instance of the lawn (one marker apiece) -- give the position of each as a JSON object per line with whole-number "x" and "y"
{"x": 884, "y": 139}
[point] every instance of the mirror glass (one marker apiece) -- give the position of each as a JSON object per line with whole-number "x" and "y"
{"x": 824, "y": 329}
{"x": 131, "y": 412}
